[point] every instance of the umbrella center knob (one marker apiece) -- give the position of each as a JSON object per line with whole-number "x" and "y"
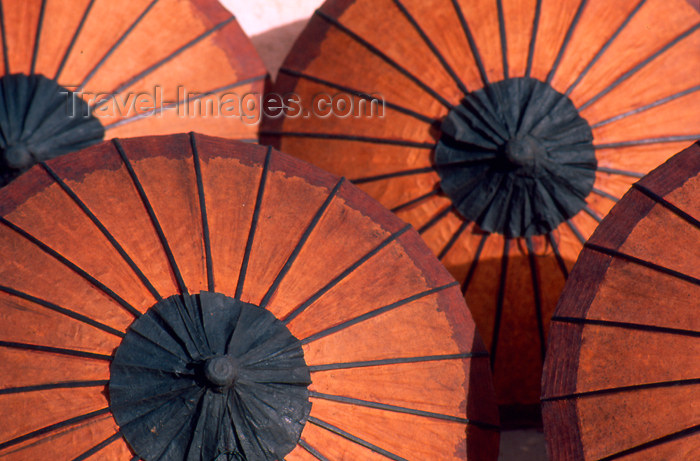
{"x": 221, "y": 371}
{"x": 523, "y": 151}
{"x": 230, "y": 368}
{"x": 516, "y": 158}
{"x": 18, "y": 157}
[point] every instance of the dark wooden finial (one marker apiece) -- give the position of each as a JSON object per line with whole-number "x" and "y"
{"x": 516, "y": 158}
{"x": 206, "y": 377}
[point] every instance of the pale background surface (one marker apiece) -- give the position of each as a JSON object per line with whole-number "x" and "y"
{"x": 273, "y": 26}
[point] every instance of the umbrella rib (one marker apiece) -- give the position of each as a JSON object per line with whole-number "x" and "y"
{"x": 638, "y": 67}
{"x": 400, "y": 409}
{"x": 536, "y": 294}
{"x": 179, "y": 103}
{"x": 300, "y": 244}
{"x": 615, "y": 390}
{"x": 203, "y": 212}
{"x": 499, "y": 301}
{"x": 191, "y": 390}
{"x": 374, "y": 313}
{"x": 5, "y": 57}
{"x": 165, "y": 60}
{"x": 472, "y": 43}
{"x": 73, "y": 40}
{"x": 315, "y": 453}
{"x": 474, "y": 264}
{"x": 533, "y": 38}
{"x": 435, "y": 219}
{"x": 567, "y": 40}
{"x": 504, "y": 39}
{"x": 653, "y": 443}
{"x": 50, "y": 386}
{"x": 62, "y": 310}
{"x": 641, "y": 262}
{"x": 605, "y": 194}
{"x": 100, "y": 446}
{"x": 152, "y": 215}
{"x": 396, "y": 361}
{"x": 353, "y": 438}
{"x": 374, "y": 50}
{"x": 631, "y": 174}
{"x": 302, "y": 307}
{"x": 55, "y": 350}
{"x": 641, "y": 142}
{"x": 557, "y": 255}
{"x": 116, "y": 45}
{"x": 358, "y": 93}
{"x": 411, "y": 202}
{"x": 167, "y": 326}
{"x": 666, "y": 204}
{"x": 37, "y": 37}
{"x": 647, "y": 107}
{"x": 102, "y": 229}
{"x": 395, "y": 174}
{"x": 576, "y": 231}
{"x": 436, "y": 52}
{"x": 253, "y": 224}
{"x": 604, "y": 48}
{"x": 53, "y": 427}
{"x": 63, "y": 260}
{"x": 450, "y": 243}
{"x": 347, "y": 137}
{"x": 592, "y": 213}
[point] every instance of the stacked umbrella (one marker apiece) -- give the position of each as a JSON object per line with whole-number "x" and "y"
{"x": 503, "y": 131}
{"x": 622, "y": 372}
{"x": 75, "y": 72}
{"x": 187, "y": 297}
{"x": 180, "y": 323}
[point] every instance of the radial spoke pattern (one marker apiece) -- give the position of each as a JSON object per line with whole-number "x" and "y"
{"x": 182, "y": 329}
{"x": 443, "y": 155}
{"x": 625, "y": 338}
{"x": 103, "y": 56}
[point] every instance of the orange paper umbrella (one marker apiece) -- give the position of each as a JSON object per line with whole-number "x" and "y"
{"x": 74, "y": 72}
{"x": 194, "y": 298}
{"x": 503, "y": 130}
{"x": 622, "y": 375}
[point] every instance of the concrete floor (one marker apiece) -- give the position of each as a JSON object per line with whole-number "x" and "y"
{"x": 273, "y": 26}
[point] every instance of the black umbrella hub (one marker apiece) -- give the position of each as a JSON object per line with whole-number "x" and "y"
{"x": 204, "y": 377}
{"x": 516, "y": 157}
{"x": 221, "y": 371}
{"x": 39, "y": 120}
{"x": 523, "y": 151}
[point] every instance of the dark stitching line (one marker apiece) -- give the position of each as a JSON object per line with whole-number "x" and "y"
{"x": 62, "y": 310}
{"x": 638, "y": 67}
{"x": 300, "y": 244}
{"x": 203, "y": 213}
{"x": 113, "y": 241}
{"x": 350, "y": 269}
{"x": 70, "y": 265}
{"x": 253, "y": 224}
{"x": 384, "y": 57}
{"x": 115, "y": 46}
{"x": 152, "y": 214}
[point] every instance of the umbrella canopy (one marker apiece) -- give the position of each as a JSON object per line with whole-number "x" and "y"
{"x": 75, "y": 72}
{"x": 502, "y": 130}
{"x": 622, "y": 374}
{"x": 188, "y": 297}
